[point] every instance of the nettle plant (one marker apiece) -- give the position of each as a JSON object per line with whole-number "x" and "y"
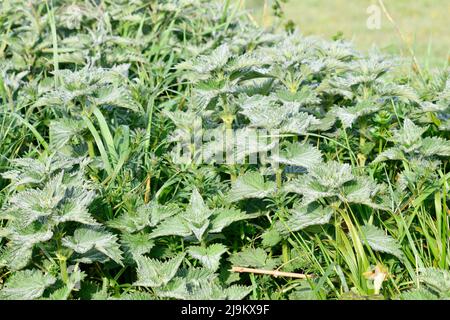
{"x": 155, "y": 150}
{"x": 326, "y": 92}
{"x": 48, "y": 224}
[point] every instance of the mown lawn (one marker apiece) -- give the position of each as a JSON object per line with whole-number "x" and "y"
{"x": 424, "y": 24}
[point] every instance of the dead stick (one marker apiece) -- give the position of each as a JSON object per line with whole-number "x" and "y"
{"x": 274, "y": 273}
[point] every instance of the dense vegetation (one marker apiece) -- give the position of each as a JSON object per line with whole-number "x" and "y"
{"x": 348, "y": 191}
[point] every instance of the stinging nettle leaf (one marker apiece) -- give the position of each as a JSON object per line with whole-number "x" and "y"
{"x": 250, "y": 257}
{"x": 251, "y": 185}
{"x": 208, "y": 256}
{"x": 26, "y": 285}
{"x": 302, "y": 217}
{"x": 155, "y": 273}
{"x": 297, "y": 154}
{"x": 84, "y": 240}
{"x": 378, "y": 240}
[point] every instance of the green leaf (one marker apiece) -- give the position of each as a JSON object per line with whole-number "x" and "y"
{"x": 73, "y": 284}
{"x": 208, "y": 256}
{"x": 250, "y": 257}
{"x": 435, "y": 146}
{"x": 301, "y": 217}
{"x": 237, "y": 292}
{"x": 62, "y": 131}
{"x": 349, "y": 115}
{"x": 436, "y": 279}
{"x": 378, "y": 240}
{"x": 222, "y": 218}
{"x": 262, "y": 112}
{"x": 204, "y": 65}
{"x": 84, "y": 240}
{"x": 130, "y": 221}
{"x": 173, "y": 226}
{"x": 136, "y": 245}
{"x": 418, "y": 294}
{"x": 155, "y": 273}
{"x": 16, "y": 256}
{"x": 300, "y": 123}
{"x": 362, "y": 190}
{"x": 197, "y": 215}
{"x": 409, "y": 137}
{"x": 297, "y": 154}
{"x": 393, "y": 153}
{"x": 251, "y": 185}
{"x": 26, "y": 285}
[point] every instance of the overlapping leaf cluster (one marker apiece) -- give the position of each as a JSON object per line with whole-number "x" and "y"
{"x": 349, "y": 185}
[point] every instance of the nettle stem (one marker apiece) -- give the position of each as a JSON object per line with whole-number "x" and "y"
{"x": 63, "y": 267}
{"x": 279, "y": 177}
{"x": 285, "y": 252}
{"x": 228, "y": 121}
{"x": 91, "y": 150}
{"x": 284, "y": 245}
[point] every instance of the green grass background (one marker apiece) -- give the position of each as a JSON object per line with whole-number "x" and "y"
{"x": 425, "y": 24}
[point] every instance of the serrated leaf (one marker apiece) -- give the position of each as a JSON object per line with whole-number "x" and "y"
{"x": 436, "y": 279}
{"x": 323, "y": 180}
{"x": 378, "y": 240}
{"x": 262, "y": 112}
{"x": 297, "y": 154}
{"x": 136, "y": 245}
{"x": 250, "y": 257}
{"x": 155, "y": 273}
{"x": 222, "y": 218}
{"x": 26, "y": 285}
{"x": 409, "y": 137}
{"x": 131, "y": 221}
{"x": 237, "y": 292}
{"x": 62, "y": 131}
{"x": 15, "y": 256}
{"x": 418, "y": 294}
{"x": 208, "y": 256}
{"x": 251, "y": 185}
{"x": 173, "y": 226}
{"x": 362, "y": 190}
{"x": 197, "y": 210}
{"x": 299, "y": 123}
{"x": 302, "y": 217}
{"x": 435, "y": 146}
{"x": 73, "y": 284}
{"x": 393, "y": 153}
{"x": 84, "y": 240}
